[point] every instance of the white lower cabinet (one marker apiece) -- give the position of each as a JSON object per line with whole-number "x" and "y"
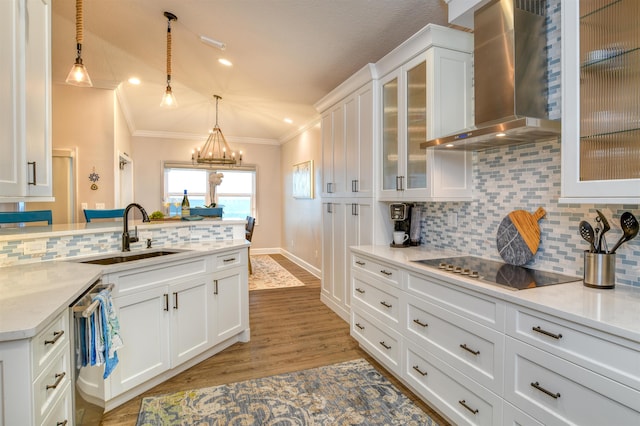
{"x": 557, "y": 392}
{"x": 480, "y": 360}
{"x": 462, "y": 400}
{"x": 35, "y": 377}
{"x": 170, "y": 315}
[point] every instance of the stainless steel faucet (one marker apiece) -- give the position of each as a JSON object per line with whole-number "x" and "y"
{"x": 126, "y": 239}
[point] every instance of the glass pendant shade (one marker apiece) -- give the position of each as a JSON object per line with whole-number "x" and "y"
{"x": 168, "y": 99}
{"x": 78, "y": 76}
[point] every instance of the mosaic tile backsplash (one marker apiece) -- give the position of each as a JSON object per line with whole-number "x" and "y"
{"x": 525, "y": 177}
{"x": 60, "y": 247}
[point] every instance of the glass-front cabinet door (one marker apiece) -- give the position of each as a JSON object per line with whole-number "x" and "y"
{"x": 404, "y": 128}
{"x": 390, "y": 141}
{"x": 601, "y": 101}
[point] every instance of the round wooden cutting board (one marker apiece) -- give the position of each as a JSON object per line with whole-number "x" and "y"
{"x": 519, "y": 236}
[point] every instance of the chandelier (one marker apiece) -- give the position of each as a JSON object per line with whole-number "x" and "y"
{"x": 216, "y": 149}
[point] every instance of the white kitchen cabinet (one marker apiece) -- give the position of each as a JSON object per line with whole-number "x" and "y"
{"x": 35, "y": 377}
{"x": 600, "y": 112}
{"x": 347, "y": 146}
{"x": 425, "y": 97}
{"x": 172, "y": 315}
{"x": 25, "y": 107}
{"x": 344, "y": 223}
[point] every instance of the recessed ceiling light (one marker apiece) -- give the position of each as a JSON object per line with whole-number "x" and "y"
{"x": 134, "y": 80}
{"x": 449, "y": 145}
{"x": 225, "y": 62}
{"x": 501, "y": 135}
{"x": 288, "y": 120}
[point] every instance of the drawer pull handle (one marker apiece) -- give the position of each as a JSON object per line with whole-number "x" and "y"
{"x": 422, "y": 373}
{"x": 215, "y": 287}
{"x": 468, "y": 349}
{"x": 361, "y": 327}
{"x": 541, "y": 389}
{"x": 59, "y": 378}
{"x": 360, "y": 263}
{"x": 420, "y": 323}
{"x": 384, "y": 345}
{"x": 385, "y": 304}
{"x": 387, "y": 273}
{"x": 232, "y": 259}
{"x": 464, "y": 404}
{"x": 166, "y": 302}
{"x": 359, "y": 290}
{"x": 56, "y": 336}
{"x": 64, "y": 423}
{"x": 175, "y": 300}
{"x": 547, "y": 333}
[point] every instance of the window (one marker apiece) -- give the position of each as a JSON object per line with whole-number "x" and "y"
{"x": 236, "y": 194}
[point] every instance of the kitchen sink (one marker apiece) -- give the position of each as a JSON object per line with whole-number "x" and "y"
{"x": 122, "y": 258}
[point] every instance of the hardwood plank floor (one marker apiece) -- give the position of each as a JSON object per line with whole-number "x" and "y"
{"x": 291, "y": 330}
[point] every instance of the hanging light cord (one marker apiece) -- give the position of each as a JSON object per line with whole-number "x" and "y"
{"x": 168, "y": 51}
{"x": 79, "y": 26}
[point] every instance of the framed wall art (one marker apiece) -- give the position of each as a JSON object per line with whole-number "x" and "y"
{"x": 303, "y": 180}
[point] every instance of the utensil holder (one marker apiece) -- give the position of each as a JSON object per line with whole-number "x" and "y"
{"x": 599, "y": 270}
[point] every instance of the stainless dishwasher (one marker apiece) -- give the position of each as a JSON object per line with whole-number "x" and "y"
{"x": 88, "y": 410}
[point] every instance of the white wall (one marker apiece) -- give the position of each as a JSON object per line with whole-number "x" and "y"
{"x": 149, "y": 154}
{"x": 85, "y": 118}
{"x": 302, "y": 218}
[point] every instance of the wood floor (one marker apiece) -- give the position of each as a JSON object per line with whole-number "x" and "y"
{"x": 291, "y": 330}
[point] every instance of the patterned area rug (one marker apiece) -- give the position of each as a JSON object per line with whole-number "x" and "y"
{"x": 267, "y": 273}
{"x": 349, "y": 393}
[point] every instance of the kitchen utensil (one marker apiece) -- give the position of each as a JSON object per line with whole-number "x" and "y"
{"x": 630, "y": 228}
{"x": 602, "y": 242}
{"x": 596, "y": 240}
{"x": 518, "y": 236}
{"x": 586, "y": 231}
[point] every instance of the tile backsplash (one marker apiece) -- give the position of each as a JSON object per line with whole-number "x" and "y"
{"x": 525, "y": 177}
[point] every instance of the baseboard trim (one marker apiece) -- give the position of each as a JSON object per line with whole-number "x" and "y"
{"x": 295, "y": 259}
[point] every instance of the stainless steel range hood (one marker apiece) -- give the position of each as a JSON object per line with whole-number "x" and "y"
{"x": 509, "y": 78}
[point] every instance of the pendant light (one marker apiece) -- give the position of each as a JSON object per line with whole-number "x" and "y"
{"x": 78, "y": 76}
{"x": 215, "y": 149}
{"x": 168, "y": 99}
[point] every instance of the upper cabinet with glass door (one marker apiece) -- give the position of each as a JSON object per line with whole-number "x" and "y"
{"x": 423, "y": 97}
{"x": 601, "y": 101}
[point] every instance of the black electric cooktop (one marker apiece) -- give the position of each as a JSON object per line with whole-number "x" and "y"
{"x": 510, "y": 276}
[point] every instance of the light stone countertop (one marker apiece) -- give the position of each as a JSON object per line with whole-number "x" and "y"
{"x": 32, "y": 295}
{"x": 614, "y": 311}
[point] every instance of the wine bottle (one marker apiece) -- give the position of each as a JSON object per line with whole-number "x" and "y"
{"x": 185, "y": 205}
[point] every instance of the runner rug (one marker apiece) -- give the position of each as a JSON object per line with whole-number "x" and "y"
{"x": 267, "y": 273}
{"x": 349, "y": 393}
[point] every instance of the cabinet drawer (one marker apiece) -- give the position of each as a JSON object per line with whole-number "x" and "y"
{"x": 48, "y": 387}
{"x": 555, "y": 391}
{"x": 589, "y": 348}
{"x": 138, "y": 279}
{"x": 475, "y": 350}
{"x": 477, "y": 307}
{"x": 511, "y": 416}
{"x": 382, "y": 301}
{"x": 62, "y": 410}
{"x": 389, "y": 274}
{"x": 459, "y": 398}
{"x": 381, "y": 342}
{"x": 49, "y": 342}
{"x": 228, "y": 259}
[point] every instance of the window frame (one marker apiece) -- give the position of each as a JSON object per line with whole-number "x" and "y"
{"x": 211, "y": 168}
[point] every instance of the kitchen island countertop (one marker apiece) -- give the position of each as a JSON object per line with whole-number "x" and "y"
{"x": 32, "y": 295}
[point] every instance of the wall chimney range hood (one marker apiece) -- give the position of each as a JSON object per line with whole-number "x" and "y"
{"x": 509, "y": 79}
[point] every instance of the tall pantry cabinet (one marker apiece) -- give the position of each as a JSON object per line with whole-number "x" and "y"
{"x": 348, "y": 216}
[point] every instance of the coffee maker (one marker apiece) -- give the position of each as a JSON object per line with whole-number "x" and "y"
{"x": 406, "y": 219}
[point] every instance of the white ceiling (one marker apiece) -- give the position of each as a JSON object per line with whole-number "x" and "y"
{"x": 286, "y": 54}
